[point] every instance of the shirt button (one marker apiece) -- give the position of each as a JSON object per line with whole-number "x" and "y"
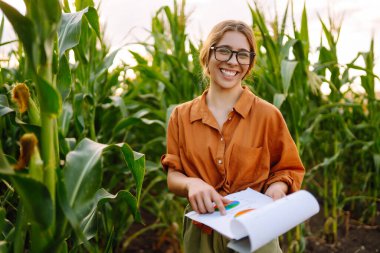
{"x": 220, "y": 161}
{"x": 229, "y": 118}
{"x": 221, "y": 139}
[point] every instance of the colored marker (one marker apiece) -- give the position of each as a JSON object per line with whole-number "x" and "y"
{"x": 230, "y": 205}
{"x": 243, "y": 212}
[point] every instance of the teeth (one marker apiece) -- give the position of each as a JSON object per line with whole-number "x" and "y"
{"x": 228, "y": 72}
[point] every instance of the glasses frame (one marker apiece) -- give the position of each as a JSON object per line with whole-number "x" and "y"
{"x": 251, "y": 53}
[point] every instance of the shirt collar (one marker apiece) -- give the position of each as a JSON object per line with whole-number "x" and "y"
{"x": 199, "y": 109}
{"x": 244, "y": 103}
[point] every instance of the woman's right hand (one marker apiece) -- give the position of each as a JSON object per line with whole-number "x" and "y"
{"x": 204, "y": 198}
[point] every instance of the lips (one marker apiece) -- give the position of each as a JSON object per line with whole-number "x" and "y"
{"x": 228, "y": 73}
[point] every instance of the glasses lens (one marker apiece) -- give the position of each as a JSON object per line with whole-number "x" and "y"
{"x": 244, "y": 57}
{"x": 223, "y": 54}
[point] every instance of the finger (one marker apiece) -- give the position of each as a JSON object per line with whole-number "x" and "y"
{"x": 194, "y": 205}
{"x": 201, "y": 206}
{"x": 207, "y": 201}
{"x": 220, "y": 202}
{"x": 208, "y": 205}
{"x": 226, "y": 201}
{"x": 279, "y": 195}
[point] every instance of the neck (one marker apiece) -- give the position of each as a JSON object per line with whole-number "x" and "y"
{"x": 223, "y": 99}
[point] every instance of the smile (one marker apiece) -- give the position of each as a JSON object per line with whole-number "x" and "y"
{"x": 228, "y": 72}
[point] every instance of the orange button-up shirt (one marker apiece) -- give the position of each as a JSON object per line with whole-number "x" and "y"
{"x": 253, "y": 149}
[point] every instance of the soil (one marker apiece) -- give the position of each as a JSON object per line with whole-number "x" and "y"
{"x": 353, "y": 237}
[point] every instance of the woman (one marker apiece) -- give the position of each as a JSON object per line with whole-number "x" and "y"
{"x": 228, "y": 139}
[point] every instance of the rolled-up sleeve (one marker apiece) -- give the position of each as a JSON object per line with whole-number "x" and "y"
{"x": 171, "y": 159}
{"x": 286, "y": 165}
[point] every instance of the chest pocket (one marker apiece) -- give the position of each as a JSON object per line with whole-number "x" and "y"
{"x": 249, "y": 166}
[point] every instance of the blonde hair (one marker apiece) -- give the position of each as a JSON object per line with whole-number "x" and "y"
{"x": 216, "y": 35}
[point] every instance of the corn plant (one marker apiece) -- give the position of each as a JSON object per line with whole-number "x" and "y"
{"x": 171, "y": 74}
{"x": 285, "y": 76}
{"x": 61, "y": 190}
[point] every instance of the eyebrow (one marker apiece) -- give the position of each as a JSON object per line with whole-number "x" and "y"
{"x": 229, "y": 47}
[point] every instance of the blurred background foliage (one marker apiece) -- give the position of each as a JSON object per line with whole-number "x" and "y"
{"x": 337, "y": 134}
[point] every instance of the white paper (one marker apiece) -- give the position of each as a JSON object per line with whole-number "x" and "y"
{"x": 271, "y": 221}
{"x": 247, "y": 198}
{"x": 268, "y": 220}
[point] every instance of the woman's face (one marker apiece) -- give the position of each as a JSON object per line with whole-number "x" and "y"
{"x": 228, "y": 74}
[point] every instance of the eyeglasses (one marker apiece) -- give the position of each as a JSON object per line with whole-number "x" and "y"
{"x": 225, "y": 54}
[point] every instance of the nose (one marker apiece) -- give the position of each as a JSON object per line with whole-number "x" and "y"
{"x": 233, "y": 60}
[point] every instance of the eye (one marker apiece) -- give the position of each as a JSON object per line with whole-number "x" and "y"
{"x": 244, "y": 55}
{"x": 223, "y": 51}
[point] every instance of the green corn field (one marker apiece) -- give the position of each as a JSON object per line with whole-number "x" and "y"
{"x": 81, "y": 142}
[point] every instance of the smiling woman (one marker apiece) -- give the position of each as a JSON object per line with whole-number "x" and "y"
{"x": 222, "y": 141}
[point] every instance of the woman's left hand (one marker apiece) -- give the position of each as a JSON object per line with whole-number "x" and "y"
{"x": 277, "y": 190}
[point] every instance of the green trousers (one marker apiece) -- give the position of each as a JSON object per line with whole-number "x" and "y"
{"x": 194, "y": 240}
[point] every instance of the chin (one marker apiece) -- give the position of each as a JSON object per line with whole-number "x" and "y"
{"x": 229, "y": 85}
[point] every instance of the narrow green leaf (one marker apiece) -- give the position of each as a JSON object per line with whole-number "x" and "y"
{"x": 107, "y": 62}
{"x": 82, "y": 174}
{"x": 278, "y": 99}
{"x": 287, "y": 71}
{"x": 36, "y": 198}
{"x": 136, "y": 163}
{"x": 134, "y": 121}
{"x": 65, "y": 118}
{"x": 283, "y": 24}
{"x": 284, "y": 53}
{"x": 70, "y": 30}
{"x": 88, "y": 224}
{"x": 304, "y": 35}
{"x": 53, "y": 10}
{"x": 7, "y": 42}
{"x": 1, "y": 29}
{"x": 64, "y": 77}
{"x": 4, "y": 105}
{"x": 81, "y": 4}
{"x": 51, "y": 100}
{"x": 24, "y": 28}
{"x": 66, "y": 6}
{"x": 328, "y": 34}
{"x": 139, "y": 59}
{"x": 93, "y": 20}
{"x": 69, "y": 212}
{"x": 5, "y": 167}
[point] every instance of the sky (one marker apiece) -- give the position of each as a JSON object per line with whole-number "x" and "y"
{"x": 128, "y": 21}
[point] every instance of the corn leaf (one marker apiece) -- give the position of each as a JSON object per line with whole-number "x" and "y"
{"x": 304, "y": 35}
{"x": 278, "y": 99}
{"x": 35, "y": 196}
{"x": 88, "y": 224}
{"x": 24, "y": 28}
{"x": 136, "y": 163}
{"x": 64, "y": 77}
{"x": 1, "y": 29}
{"x": 53, "y": 10}
{"x": 133, "y": 121}
{"x": 65, "y": 118}
{"x": 69, "y": 212}
{"x": 51, "y": 100}
{"x": 93, "y": 20}
{"x": 287, "y": 71}
{"x": 69, "y": 32}
{"x": 4, "y": 106}
{"x": 83, "y": 175}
